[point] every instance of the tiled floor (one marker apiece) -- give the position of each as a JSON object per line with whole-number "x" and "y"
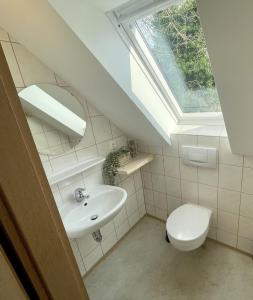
{"x": 143, "y": 267}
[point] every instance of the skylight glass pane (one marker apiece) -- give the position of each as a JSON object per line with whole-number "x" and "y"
{"x": 175, "y": 38}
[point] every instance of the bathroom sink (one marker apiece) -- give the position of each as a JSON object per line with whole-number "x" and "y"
{"x": 88, "y": 216}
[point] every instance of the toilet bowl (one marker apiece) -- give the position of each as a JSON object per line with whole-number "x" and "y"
{"x": 187, "y": 226}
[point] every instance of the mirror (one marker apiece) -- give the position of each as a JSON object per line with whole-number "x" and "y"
{"x": 55, "y": 117}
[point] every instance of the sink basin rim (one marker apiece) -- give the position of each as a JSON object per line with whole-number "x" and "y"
{"x": 101, "y": 220}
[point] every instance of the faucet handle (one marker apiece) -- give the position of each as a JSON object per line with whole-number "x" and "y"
{"x": 80, "y": 195}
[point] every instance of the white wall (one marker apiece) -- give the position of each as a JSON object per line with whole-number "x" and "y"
{"x": 228, "y": 29}
{"x": 39, "y": 28}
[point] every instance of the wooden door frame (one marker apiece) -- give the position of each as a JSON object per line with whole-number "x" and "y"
{"x": 28, "y": 209}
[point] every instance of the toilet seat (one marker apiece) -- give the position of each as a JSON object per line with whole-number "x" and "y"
{"x": 187, "y": 226}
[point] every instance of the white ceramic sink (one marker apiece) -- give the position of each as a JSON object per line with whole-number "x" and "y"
{"x": 105, "y": 202}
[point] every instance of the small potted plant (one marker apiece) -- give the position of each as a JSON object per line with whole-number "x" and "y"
{"x": 113, "y": 161}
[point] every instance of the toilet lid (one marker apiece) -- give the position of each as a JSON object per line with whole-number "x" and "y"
{"x": 188, "y": 222}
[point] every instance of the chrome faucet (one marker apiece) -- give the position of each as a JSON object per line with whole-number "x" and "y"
{"x": 81, "y": 194}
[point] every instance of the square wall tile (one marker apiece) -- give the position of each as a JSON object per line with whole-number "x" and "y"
{"x": 246, "y": 228}
{"x": 73, "y": 180}
{"x": 226, "y": 156}
{"x": 247, "y": 182}
{"x": 134, "y": 218}
{"x": 229, "y": 201}
{"x": 40, "y": 140}
{"x": 160, "y": 200}
{"x": 156, "y": 165}
{"x": 189, "y": 191}
{"x": 151, "y": 210}
{"x": 227, "y": 222}
{"x": 53, "y": 138}
{"x": 171, "y": 166}
{"x": 137, "y": 180}
{"x": 104, "y": 148}
{"x": 212, "y": 233}
{"x": 131, "y": 204}
{"x": 226, "y": 238}
{"x": 121, "y": 217}
{"x": 86, "y": 244}
{"x": 88, "y": 140}
{"x": 171, "y": 150}
{"x": 208, "y": 196}
{"x": 245, "y": 245}
{"x": 208, "y": 176}
{"x": 122, "y": 229}
{"x": 92, "y": 110}
{"x": 128, "y": 185}
{"x": 161, "y": 214}
{"x": 173, "y": 187}
{"x": 116, "y": 132}
{"x": 248, "y": 161}
{"x": 149, "y": 197}
{"x": 246, "y": 208}
{"x": 121, "y": 141}
{"x": 140, "y": 197}
{"x": 108, "y": 242}
{"x": 142, "y": 210}
{"x": 154, "y": 149}
{"x": 35, "y": 125}
{"x": 147, "y": 181}
{"x": 214, "y": 218}
{"x": 230, "y": 177}
{"x": 85, "y": 153}
{"x": 188, "y": 172}
{"x": 101, "y": 128}
{"x": 173, "y": 203}
{"x": 63, "y": 161}
{"x": 107, "y": 229}
{"x": 92, "y": 258}
{"x": 158, "y": 183}
{"x": 78, "y": 257}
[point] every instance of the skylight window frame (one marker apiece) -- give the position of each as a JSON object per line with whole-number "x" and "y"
{"x": 139, "y": 48}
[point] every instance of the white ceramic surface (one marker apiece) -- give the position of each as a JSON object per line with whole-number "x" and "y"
{"x": 74, "y": 169}
{"x": 187, "y": 226}
{"x": 105, "y": 201}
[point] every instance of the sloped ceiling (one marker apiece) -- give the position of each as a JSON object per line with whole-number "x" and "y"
{"x": 38, "y": 27}
{"x": 228, "y": 27}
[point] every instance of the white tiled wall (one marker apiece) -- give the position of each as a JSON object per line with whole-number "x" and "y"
{"x": 47, "y": 138}
{"x": 227, "y": 190}
{"x": 26, "y": 70}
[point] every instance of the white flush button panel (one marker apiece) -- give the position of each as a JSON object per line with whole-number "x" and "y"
{"x": 199, "y": 156}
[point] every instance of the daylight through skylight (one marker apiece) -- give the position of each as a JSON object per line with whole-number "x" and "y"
{"x": 176, "y": 41}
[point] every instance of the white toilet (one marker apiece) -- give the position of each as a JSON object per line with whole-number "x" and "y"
{"x": 187, "y": 226}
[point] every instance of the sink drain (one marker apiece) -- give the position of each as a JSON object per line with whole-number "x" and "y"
{"x": 94, "y": 217}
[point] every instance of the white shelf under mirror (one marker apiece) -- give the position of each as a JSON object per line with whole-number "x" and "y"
{"x": 74, "y": 169}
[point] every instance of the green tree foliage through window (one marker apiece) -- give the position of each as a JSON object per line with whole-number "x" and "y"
{"x": 176, "y": 40}
{"x": 181, "y": 26}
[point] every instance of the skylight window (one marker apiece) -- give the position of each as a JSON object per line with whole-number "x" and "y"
{"x": 173, "y": 43}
